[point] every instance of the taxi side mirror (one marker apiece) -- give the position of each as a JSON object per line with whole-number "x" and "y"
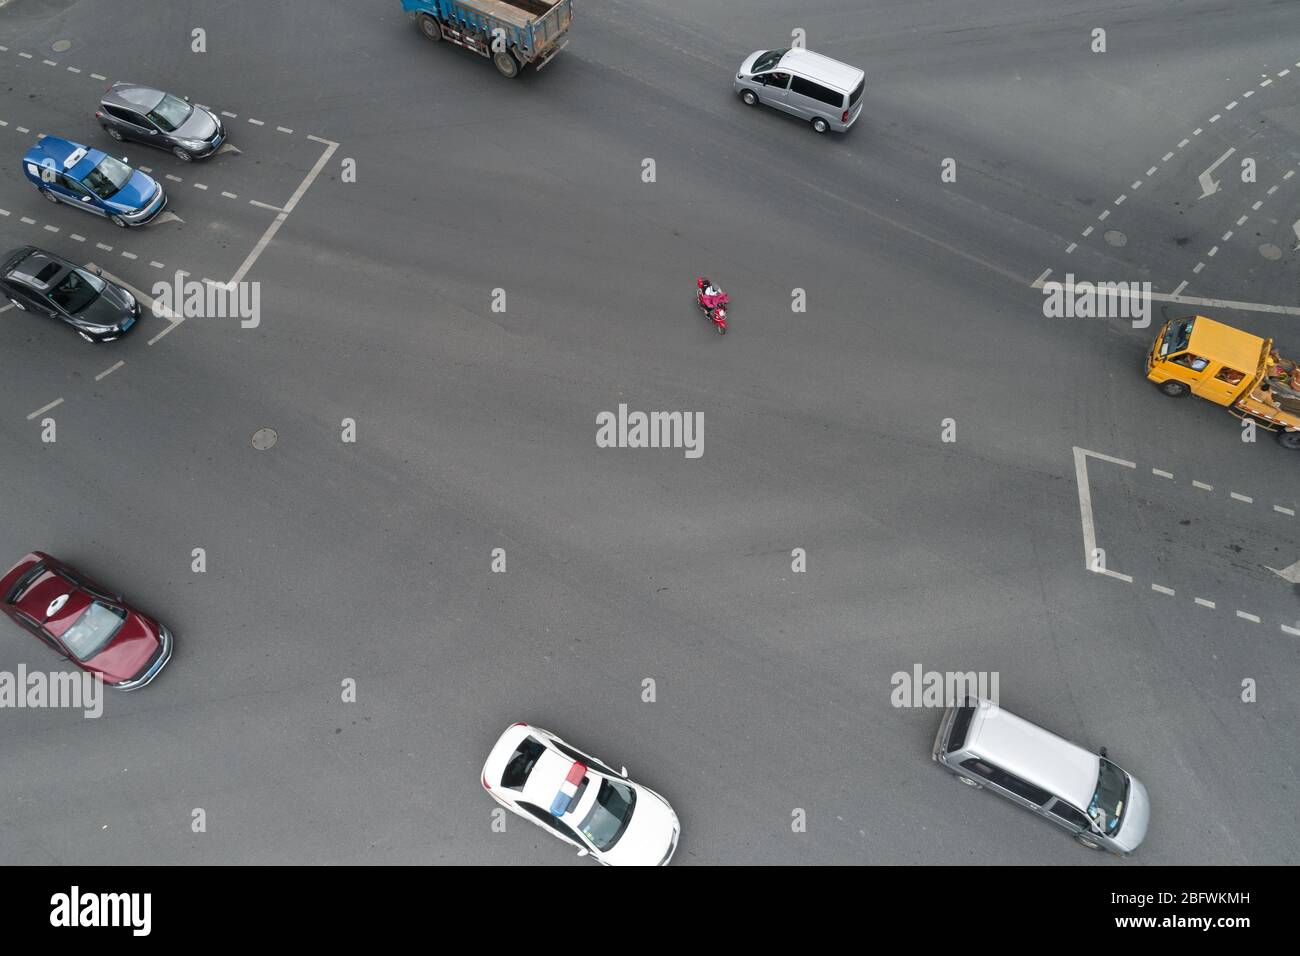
{"x": 582, "y": 853}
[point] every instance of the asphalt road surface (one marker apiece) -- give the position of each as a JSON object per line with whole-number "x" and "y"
{"x": 475, "y": 429}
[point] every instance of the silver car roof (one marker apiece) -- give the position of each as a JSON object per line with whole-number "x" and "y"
{"x": 133, "y": 97}
{"x": 1033, "y": 754}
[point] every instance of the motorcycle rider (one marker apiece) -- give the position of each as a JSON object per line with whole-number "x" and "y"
{"x": 711, "y": 297}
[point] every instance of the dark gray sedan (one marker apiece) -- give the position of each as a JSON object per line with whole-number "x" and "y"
{"x": 42, "y": 283}
{"x": 129, "y": 111}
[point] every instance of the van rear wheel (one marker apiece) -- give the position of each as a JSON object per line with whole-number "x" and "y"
{"x": 1174, "y": 389}
{"x": 1289, "y": 440}
{"x": 429, "y": 27}
{"x": 820, "y": 125}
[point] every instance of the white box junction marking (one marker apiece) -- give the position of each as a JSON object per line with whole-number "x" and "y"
{"x": 1081, "y": 456}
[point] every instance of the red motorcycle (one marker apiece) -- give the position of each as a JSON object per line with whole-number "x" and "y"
{"x": 713, "y": 302}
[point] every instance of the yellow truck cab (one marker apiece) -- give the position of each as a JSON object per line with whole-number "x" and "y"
{"x": 1229, "y": 367}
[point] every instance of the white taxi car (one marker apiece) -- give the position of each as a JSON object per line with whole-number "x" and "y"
{"x": 580, "y": 800}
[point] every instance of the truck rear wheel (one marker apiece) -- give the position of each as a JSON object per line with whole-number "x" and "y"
{"x": 506, "y": 64}
{"x": 1173, "y": 388}
{"x": 430, "y": 28}
{"x": 1289, "y": 440}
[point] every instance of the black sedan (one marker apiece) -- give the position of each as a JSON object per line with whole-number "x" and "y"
{"x": 41, "y": 282}
{"x": 141, "y": 113}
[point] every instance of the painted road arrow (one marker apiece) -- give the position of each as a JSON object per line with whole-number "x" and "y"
{"x": 1291, "y": 574}
{"x": 1210, "y": 186}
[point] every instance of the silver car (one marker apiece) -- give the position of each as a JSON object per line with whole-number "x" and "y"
{"x": 129, "y": 111}
{"x": 989, "y": 748}
{"x": 815, "y": 88}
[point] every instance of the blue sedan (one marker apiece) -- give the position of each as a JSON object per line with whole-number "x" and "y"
{"x": 90, "y": 179}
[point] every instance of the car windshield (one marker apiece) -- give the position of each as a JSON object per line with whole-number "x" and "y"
{"x": 94, "y": 629}
{"x": 767, "y": 60}
{"x": 1112, "y": 792}
{"x": 609, "y": 815}
{"x": 1177, "y": 336}
{"x": 77, "y": 290}
{"x": 171, "y": 113}
{"x": 107, "y": 178}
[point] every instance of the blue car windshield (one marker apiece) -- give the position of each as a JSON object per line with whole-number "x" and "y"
{"x": 107, "y": 178}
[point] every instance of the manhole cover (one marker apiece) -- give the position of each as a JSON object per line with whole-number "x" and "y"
{"x": 61, "y": 46}
{"x": 1270, "y": 251}
{"x": 264, "y": 438}
{"x": 1116, "y": 238}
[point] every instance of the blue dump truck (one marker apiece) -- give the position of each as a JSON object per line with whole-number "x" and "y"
{"x": 512, "y": 33}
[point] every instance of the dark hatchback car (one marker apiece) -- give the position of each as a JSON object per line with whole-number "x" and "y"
{"x": 41, "y": 282}
{"x": 84, "y": 622}
{"x": 140, "y": 113}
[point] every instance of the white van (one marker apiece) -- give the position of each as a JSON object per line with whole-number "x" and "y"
{"x": 989, "y": 748}
{"x": 825, "y": 92}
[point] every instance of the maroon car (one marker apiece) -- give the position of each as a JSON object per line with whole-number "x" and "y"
{"x": 84, "y": 622}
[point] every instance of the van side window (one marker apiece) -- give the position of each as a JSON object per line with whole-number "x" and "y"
{"x": 1069, "y": 814}
{"x": 1188, "y": 360}
{"x": 1007, "y": 781}
{"x": 817, "y": 92}
{"x": 778, "y": 81}
{"x": 1230, "y": 375}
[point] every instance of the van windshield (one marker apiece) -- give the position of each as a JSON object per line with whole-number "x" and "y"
{"x": 767, "y": 60}
{"x": 1107, "y": 806}
{"x": 1177, "y": 335}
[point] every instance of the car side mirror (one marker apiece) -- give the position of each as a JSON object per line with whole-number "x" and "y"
{"x": 187, "y": 99}
{"x": 624, "y": 771}
{"x": 1102, "y": 751}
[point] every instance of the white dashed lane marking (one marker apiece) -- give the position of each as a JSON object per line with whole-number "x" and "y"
{"x": 45, "y": 408}
{"x": 109, "y": 371}
{"x": 1081, "y": 456}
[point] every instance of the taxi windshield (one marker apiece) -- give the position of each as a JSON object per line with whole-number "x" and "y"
{"x": 171, "y": 114}
{"x": 609, "y": 815}
{"x": 77, "y": 290}
{"x": 107, "y": 178}
{"x": 94, "y": 629}
{"x": 1107, "y": 804}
